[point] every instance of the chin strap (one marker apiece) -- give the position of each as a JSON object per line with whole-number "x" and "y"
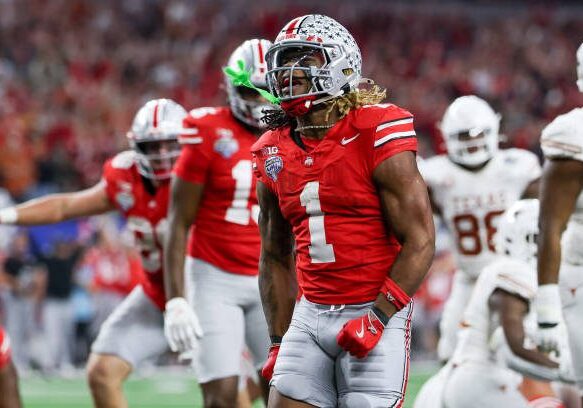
{"x": 303, "y": 104}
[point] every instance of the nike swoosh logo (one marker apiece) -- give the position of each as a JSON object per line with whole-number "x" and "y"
{"x": 360, "y": 334}
{"x": 345, "y": 141}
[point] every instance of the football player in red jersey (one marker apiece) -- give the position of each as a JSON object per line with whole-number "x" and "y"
{"x": 9, "y": 395}
{"x": 135, "y": 182}
{"x": 213, "y": 191}
{"x": 337, "y": 176}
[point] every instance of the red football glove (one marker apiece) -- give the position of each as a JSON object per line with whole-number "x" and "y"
{"x": 359, "y": 336}
{"x": 267, "y": 370}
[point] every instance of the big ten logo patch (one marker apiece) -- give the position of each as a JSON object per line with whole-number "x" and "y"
{"x": 270, "y": 150}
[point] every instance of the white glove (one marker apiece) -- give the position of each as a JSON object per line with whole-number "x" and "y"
{"x": 548, "y": 315}
{"x": 181, "y": 326}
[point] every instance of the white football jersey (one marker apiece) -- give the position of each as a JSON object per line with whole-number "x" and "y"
{"x": 479, "y": 324}
{"x": 471, "y": 202}
{"x": 563, "y": 138}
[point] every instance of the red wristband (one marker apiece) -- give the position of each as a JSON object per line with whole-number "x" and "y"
{"x": 395, "y": 294}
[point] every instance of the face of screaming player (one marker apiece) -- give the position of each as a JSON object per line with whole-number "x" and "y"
{"x": 297, "y": 82}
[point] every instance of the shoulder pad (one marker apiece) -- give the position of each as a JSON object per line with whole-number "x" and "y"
{"x": 563, "y": 137}
{"x": 371, "y": 116}
{"x": 515, "y": 277}
{"x": 434, "y": 168}
{"x": 206, "y": 116}
{"x": 124, "y": 160}
{"x": 269, "y": 138}
{"x": 520, "y": 157}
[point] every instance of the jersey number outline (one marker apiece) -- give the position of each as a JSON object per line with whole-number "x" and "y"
{"x": 320, "y": 251}
{"x": 149, "y": 239}
{"x": 467, "y": 228}
{"x": 239, "y": 212}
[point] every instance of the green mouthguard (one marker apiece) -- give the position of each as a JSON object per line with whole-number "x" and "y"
{"x": 242, "y": 77}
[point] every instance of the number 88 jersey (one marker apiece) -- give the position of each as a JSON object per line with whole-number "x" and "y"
{"x": 471, "y": 202}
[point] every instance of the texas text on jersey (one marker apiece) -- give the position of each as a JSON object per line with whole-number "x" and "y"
{"x": 471, "y": 202}
{"x": 225, "y": 233}
{"x": 344, "y": 252}
{"x": 145, "y": 210}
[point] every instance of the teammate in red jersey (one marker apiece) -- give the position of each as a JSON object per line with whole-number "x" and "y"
{"x": 214, "y": 191}
{"x": 338, "y": 177}
{"x": 9, "y": 395}
{"x": 135, "y": 182}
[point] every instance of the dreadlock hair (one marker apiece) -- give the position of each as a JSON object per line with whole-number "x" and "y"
{"x": 277, "y": 118}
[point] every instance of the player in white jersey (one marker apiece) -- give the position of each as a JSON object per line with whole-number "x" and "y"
{"x": 562, "y": 206}
{"x": 470, "y": 188}
{"x": 501, "y": 298}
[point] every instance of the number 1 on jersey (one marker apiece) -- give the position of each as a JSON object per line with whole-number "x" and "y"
{"x": 238, "y": 212}
{"x": 320, "y": 251}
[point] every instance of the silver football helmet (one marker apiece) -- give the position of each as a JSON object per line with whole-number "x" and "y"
{"x": 339, "y": 61}
{"x": 580, "y": 67}
{"x": 470, "y": 129}
{"x": 517, "y": 231}
{"x": 154, "y": 137}
{"x": 252, "y": 53}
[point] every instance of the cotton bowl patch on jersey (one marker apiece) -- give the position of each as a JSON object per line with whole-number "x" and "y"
{"x": 273, "y": 166}
{"x": 125, "y": 199}
{"x": 226, "y": 145}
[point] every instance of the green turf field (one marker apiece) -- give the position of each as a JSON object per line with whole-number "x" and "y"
{"x": 168, "y": 390}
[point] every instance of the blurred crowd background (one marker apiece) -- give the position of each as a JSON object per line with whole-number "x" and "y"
{"x": 73, "y": 73}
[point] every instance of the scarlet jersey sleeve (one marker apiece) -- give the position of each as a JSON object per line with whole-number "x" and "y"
{"x": 392, "y": 130}
{"x": 261, "y": 151}
{"x": 113, "y": 172}
{"x": 197, "y": 148}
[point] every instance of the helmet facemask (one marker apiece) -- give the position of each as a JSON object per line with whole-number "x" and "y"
{"x": 247, "y": 105}
{"x": 472, "y": 147}
{"x": 314, "y": 64}
{"x": 154, "y": 137}
{"x": 313, "y": 59}
{"x": 156, "y": 157}
{"x": 470, "y": 129}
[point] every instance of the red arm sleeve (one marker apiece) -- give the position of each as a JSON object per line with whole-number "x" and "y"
{"x": 196, "y": 156}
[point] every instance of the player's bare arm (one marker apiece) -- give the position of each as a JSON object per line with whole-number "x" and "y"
{"x": 561, "y": 184}
{"x": 184, "y": 201}
{"x": 277, "y": 280}
{"x": 434, "y": 206}
{"x": 60, "y": 207}
{"x": 531, "y": 191}
{"x": 406, "y": 205}
{"x": 512, "y": 309}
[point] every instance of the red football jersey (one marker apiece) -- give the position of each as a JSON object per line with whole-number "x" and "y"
{"x": 146, "y": 218}
{"x": 225, "y": 233}
{"x": 327, "y": 194}
{"x": 114, "y": 269}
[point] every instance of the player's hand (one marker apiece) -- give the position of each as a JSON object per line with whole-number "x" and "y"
{"x": 181, "y": 326}
{"x": 359, "y": 336}
{"x": 548, "y": 311}
{"x": 267, "y": 370}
